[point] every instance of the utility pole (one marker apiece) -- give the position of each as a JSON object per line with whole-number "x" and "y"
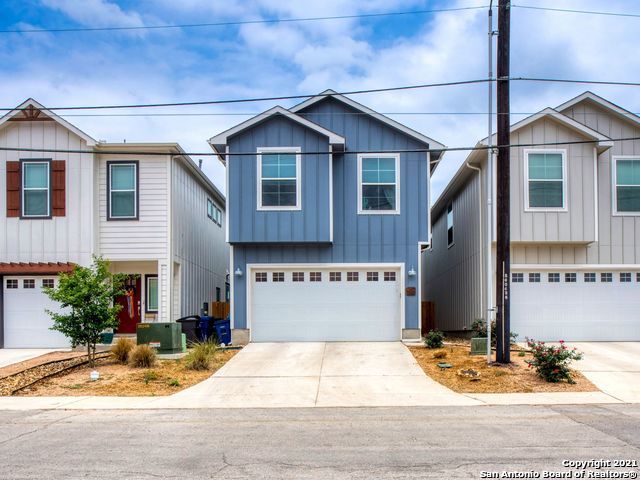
{"x": 503, "y": 258}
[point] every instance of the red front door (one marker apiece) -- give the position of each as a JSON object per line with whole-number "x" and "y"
{"x": 129, "y": 314}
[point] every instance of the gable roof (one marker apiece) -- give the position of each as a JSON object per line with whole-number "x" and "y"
{"x": 602, "y": 141}
{"x": 218, "y": 142}
{"x": 433, "y": 144}
{"x": 38, "y": 109}
{"x": 592, "y": 97}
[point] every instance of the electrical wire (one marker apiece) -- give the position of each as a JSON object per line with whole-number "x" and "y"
{"x": 242, "y": 22}
{"x": 584, "y": 12}
{"x": 326, "y": 152}
{"x": 329, "y": 94}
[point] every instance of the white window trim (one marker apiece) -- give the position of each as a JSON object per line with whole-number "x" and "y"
{"x": 296, "y": 150}
{"x": 564, "y": 207}
{"x": 453, "y": 229}
{"x": 23, "y": 189}
{"x": 135, "y": 190}
{"x": 146, "y": 294}
{"x": 361, "y": 211}
{"x": 614, "y": 185}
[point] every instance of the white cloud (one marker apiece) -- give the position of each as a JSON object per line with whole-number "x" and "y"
{"x": 96, "y": 13}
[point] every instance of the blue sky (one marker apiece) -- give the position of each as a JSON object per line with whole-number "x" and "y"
{"x": 300, "y": 58}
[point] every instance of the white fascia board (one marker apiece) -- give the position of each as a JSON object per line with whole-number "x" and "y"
{"x": 433, "y": 144}
{"x": 31, "y": 102}
{"x": 219, "y": 140}
{"x": 602, "y": 141}
{"x": 621, "y": 112}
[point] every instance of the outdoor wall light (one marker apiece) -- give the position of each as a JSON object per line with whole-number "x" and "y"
{"x": 411, "y": 272}
{"x": 238, "y": 272}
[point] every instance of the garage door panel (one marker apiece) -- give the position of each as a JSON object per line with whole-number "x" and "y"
{"x": 26, "y": 323}
{"x": 580, "y": 311}
{"x": 325, "y": 310}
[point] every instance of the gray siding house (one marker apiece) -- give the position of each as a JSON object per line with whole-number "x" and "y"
{"x": 575, "y": 229}
{"x": 327, "y": 214}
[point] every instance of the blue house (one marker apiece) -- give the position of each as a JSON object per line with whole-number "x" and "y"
{"x": 328, "y": 210}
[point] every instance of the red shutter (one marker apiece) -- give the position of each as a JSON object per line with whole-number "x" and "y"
{"x": 13, "y": 189}
{"x": 58, "y": 188}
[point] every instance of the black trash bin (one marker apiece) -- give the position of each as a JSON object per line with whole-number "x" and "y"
{"x": 191, "y": 327}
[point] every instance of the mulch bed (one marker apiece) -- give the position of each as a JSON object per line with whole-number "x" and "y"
{"x": 516, "y": 377}
{"x": 165, "y": 378}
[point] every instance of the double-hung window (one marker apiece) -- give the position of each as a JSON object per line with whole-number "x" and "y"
{"x": 379, "y": 184}
{"x": 279, "y": 179}
{"x": 122, "y": 182}
{"x": 546, "y": 180}
{"x": 36, "y": 188}
{"x": 626, "y": 186}
{"x": 152, "y": 293}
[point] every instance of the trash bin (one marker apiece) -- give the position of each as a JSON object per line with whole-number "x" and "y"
{"x": 190, "y": 327}
{"x": 205, "y": 328}
{"x": 223, "y": 330}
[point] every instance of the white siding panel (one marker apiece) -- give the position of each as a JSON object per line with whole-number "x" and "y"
{"x": 147, "y": 237}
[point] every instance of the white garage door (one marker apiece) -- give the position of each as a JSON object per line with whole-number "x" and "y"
{"x": 26, "y": 324}
{"x": 576, "y": 306}
{"x": 325, "y": 304}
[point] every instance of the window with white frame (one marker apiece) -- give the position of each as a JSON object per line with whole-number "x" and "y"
{"x": 379, "y": 186}
{"x": 534, "y": 278}
{"x": 12, "y": 283}
{"x": 261, "y": 277}
{"x": 625, "y": 277}
{"x": 315, "y": 276}
{"x": 152, "y": 293}
{"x": 449, "y": 224}
{"x": 627, "y": 185}
{"x": 279, "y": 179}
{"x": 606, "y": 277}
{"x": 372, "y": 276}
{"x": 122, "y": 190}
{"x": 218, "y": 216}
{"x": 570, "y": 278}
{"x": 553, "y": 278}
{"x": 298, "y": 276}
{"x": 214, "y": 213}
{"x": 335, "y": 276}
{"x": 277, "y": 277}
{"x": 36, "y": 189}
{"x": 517, "y": 277}
{"x": 48, "y": 283}
{"x": 389, "y": 276}
{"x": 210, "y": 209}
{"x": 590, "y": 277}
{"x": 352, "y": 276}
{"x": 29, "y": 283}
{"x": 546, "y": 183}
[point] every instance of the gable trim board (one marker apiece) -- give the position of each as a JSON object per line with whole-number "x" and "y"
{"x": 431, "y": 143}
{"x": 218, "y": 142}
{"x": 603, "y": 102}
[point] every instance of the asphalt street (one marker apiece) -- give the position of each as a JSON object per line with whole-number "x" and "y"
{"x": 358, "y": 443}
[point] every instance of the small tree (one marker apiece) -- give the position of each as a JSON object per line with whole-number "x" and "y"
{"x": 86, "y": 297}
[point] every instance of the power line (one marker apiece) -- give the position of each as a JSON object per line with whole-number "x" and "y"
{"x": 584, "y": 12}
{"x": 325, "y": 152}
{"x": 264, "y": 99}
{"x": 242, "y": 22}
{"x": 351, "y": 92}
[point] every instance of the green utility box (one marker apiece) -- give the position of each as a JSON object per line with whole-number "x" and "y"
{"x": 165, "y": 337}
{"x": 479, "y": 346}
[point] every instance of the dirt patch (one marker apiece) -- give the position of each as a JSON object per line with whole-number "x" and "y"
{"x": 166, "y": 378}
{"x": 514, "y": 378}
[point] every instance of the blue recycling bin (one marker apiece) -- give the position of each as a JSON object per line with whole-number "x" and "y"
{"x": 204, "y": 330}
{"x": 222, "y": 329}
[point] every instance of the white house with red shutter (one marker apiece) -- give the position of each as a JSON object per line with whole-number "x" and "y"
{"x": 147, "y": 208}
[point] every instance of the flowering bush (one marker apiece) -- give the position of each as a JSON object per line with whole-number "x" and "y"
{"x": 552, "y": 362}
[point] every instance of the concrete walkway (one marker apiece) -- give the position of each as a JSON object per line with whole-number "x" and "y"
{"x": 9, "y": 356}
{"x": 613, "y": 367}
{"x": 269, "y": 375}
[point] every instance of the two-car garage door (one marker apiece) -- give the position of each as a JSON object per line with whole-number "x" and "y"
{"x": 576, "y": 306}
{"x": 26, "y": 323}
{"x": 325, "y": 304}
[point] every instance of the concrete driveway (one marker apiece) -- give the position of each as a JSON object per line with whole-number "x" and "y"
{"x": 9, "y": 356}
{"x": 320, "y": 375}
{"x": 613, "y": 367}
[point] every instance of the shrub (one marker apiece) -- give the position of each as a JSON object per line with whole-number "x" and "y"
{"x": 150, "y": 376}
{"x": 479, "y": 327}
{"x": 522, "y": 353}
{"x": 552, "y": 362}
{"x": 200, "y": 356}
{"x": 142, "y": 356}
{"x": 434, "y": 339}
{"x": 174, "y": 382}
{"x": 121, "y": 349}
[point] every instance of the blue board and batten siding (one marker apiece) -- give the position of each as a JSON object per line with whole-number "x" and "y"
{"x": 311, "y": 222}
{"x": 356, "y": 238}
